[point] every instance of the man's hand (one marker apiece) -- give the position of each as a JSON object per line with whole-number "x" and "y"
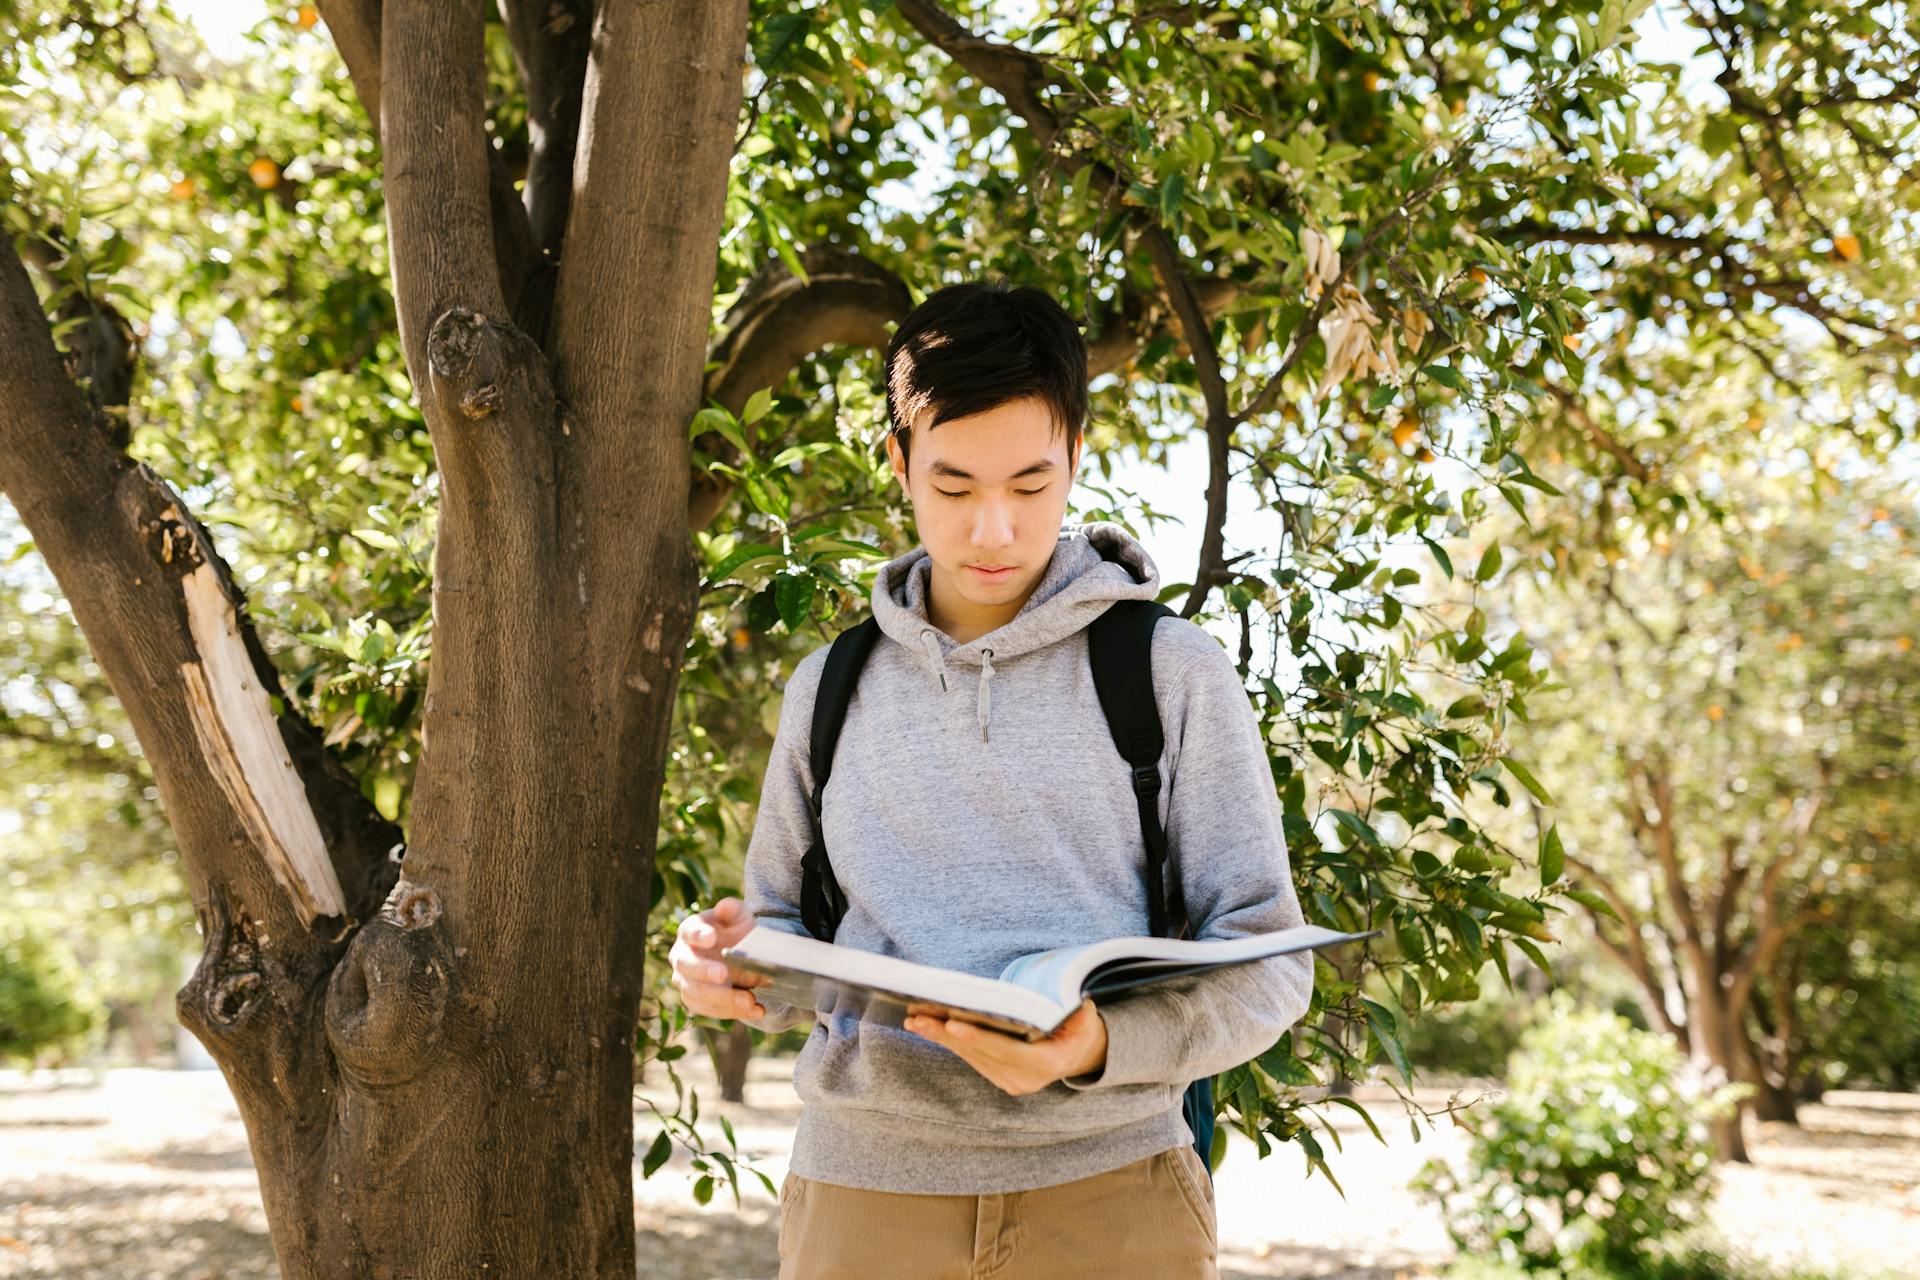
{"x": 1014, "y": 1065}
{"x": 700, "y": 975}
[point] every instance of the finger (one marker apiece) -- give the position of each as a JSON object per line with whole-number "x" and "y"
{"x": 722, "y": 925}
{"x": 720, "y": 1001}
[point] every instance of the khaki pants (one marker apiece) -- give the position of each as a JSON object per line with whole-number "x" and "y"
{"x": 1152, "y": 1219}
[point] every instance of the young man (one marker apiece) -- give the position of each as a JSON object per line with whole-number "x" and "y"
{"x": 978, "y": 810}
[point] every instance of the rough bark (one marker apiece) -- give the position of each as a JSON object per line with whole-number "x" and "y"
{"x": 436, "y": 1070}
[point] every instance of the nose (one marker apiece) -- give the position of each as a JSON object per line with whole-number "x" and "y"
{"x": 993, "y": 523}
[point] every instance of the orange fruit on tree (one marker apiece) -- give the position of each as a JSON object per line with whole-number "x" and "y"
{"x": 1425, "y": 455}
{"x": 1847, "y": 247}
{"x": 1372, "y": 81}
{"x": 306, "y": 17}
{"x": 1477, "y": 276}
{"x": 264, "y": 172}
{"x": 183, "y": 189}
{"x": 1403, "y": 435}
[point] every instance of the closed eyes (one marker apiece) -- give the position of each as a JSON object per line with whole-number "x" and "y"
{"x": 1025, "y": 493}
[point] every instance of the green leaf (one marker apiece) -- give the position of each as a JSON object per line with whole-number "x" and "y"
{"x": 1440, "y": 557}
{"x": 1594, "y": 902}
{"x": 780, "y": 40}
{"x": 1360, "y": 1111}
{"x": 656, "y": 1154}
{"x": 782, "y": 243}
{"x": 721, "y": 423}
{"x": 1534, "y": 954}
{"x": 1445, "y": 375}
{"x": 1527, "y": 779}
{"x": 739, "y": 556}
{"x": 703, "y": 1188}
{"x": 1553, "y": 858}
{"x": 1489, "y": 563}
{"x": 757, "y": 405}
{"x": 1170, "y": 196}
{"x": 1358, "y": 826}
{"x": 1386, "y": 1031}
{"x": 793, "y": 596}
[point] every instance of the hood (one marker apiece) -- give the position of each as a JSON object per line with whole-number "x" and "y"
{"x": 1091, "y": 567}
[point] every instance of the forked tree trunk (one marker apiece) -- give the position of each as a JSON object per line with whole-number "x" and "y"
{"x": 434, "y": 1058}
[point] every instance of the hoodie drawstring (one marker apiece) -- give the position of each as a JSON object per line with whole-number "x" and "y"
{"x": 984, "y": 708}
{"x": 934, "y": 656}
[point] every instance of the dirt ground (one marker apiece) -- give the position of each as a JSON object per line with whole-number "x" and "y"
{"x": 145, "y": 1175}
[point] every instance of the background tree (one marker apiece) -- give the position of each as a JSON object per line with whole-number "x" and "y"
{"x": 487, "y": 571}
{"x": 1735, "y": 750}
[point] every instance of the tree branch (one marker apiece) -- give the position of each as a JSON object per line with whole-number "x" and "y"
{"x": 262, "y": 813}
{"x": 777, "y": 322}
{"x": 1632, "y": 954}
{"x": 357, "y": 32}
{"x": 551, "y": 41}
{"x": 1577, "y": 414}
{"x": 433, "y": 133}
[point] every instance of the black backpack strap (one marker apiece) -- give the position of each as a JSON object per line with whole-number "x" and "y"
{"x": 1120, "y": 647}
{"x": 821, "y": 902}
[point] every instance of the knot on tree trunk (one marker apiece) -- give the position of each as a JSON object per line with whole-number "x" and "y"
{"x": 387, "y": 1001}
{"x": 481, "y": 365}
{"x": 229, "y": 982}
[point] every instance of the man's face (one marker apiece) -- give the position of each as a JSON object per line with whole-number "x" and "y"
{"x": 989, "y": 492}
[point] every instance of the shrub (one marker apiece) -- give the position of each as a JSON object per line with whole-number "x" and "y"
{"x": 1600, "y": 1147}
{"x": 37, "y": 1006}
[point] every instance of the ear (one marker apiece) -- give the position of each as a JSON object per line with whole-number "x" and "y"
{"x": 898, "y": 459}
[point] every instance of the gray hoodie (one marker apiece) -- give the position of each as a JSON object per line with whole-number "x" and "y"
{"x": 978, "y": 810}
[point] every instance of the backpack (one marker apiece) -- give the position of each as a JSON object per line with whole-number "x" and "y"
{"x": 1120, "y": 647}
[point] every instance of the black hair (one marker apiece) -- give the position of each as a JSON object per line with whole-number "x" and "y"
{"x": 974, "y": 346}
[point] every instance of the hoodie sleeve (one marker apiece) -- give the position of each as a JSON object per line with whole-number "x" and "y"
{"x": 1224, "y": 829}
{"x": 783, "y": 828}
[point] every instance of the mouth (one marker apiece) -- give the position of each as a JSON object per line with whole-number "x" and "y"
{"x": 992, "y": 573}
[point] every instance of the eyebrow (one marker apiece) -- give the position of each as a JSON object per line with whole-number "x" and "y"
{"x": 941, "y": 468}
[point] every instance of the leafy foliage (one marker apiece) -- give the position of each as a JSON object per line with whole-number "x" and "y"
{"x": 38, "y": 1010}
{"x": 1599, "y": 1148}
{"x": 1443, "y": 250}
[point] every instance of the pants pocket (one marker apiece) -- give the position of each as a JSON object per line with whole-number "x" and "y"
{"x": 792, "y": 1190}
{"x": 1196, "y": 1188}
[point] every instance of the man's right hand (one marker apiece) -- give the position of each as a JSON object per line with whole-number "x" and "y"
{"x": 701, "y": 976}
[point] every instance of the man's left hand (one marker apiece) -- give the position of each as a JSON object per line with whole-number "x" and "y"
{"x": 1015, "y": 1065}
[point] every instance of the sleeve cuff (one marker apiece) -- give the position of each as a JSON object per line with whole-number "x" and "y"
{"x": 1146, "y": 1042}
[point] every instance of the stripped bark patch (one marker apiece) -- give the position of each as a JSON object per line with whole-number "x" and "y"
{"x": 240, "y": 741}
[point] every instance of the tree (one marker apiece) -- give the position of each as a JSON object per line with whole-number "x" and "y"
{"x": 1736, "y": 745}
{"x": 1332, "y": 244}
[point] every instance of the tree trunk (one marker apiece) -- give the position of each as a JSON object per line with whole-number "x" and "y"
{"x": 731, "y": 1050}
{"x": 434, "y": 1058}
{"x": 1716, "y": 1046}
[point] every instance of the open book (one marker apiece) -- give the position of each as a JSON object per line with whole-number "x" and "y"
{"x": 1033, "y": 995}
